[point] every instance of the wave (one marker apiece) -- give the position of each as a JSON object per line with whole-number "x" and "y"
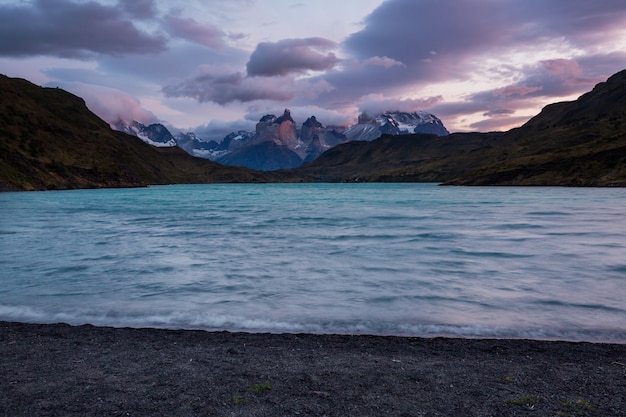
{"x": 194, "y": 320}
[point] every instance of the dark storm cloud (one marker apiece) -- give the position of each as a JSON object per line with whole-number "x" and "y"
{"x": 65, "y": 28}
{"x": 291, "y": 56}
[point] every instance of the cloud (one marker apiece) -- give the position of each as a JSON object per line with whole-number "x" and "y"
{"x": 539, "y": 84}
{"x": 383, "y": 61}
{"x": 489, "y": 43}
{"x": 211, "y": 85}
{"x": 189, "y": 29}
{"x": 419, "y": 32}
{"x": 451, "y": 40}
{"x": 374, "y": 104}
{"x": 312, "y": 89}
{"x": 109, "y": 104}
{"x": 515, "y": 90}
{"x": 508, "y": 58}
{"x": 140, "y": 9}
{"x": 499, "y": 124}
{"x": 291, "y": 56}
{"x": 498, "y": 113}
{"x": 558, "y": 77}
{"x": 217, "y": 129}
{"x": 69, "y": 29}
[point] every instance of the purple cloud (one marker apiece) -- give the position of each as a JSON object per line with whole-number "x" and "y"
{"x": 450, "y": 40}
{"x": 268, "y": 75}
{"x": 68, "y": 29}
{"x": 140, "y": 9}
{"x": 291, "y": 56}
{"x": 223, "y": 88}
{"x": 189, "y": 29}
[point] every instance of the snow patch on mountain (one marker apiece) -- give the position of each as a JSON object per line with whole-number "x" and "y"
{"x": 155, "y": 134}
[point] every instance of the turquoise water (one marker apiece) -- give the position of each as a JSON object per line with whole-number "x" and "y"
{"x": 399, "y": 259}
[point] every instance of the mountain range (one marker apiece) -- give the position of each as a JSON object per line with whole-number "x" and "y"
{"x": 278, "y": 143}
{"x": 576, "y": 143}
{"x": 50, "y": 140}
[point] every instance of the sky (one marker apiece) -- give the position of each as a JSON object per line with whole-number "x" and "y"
{"x": 218, "y": 66}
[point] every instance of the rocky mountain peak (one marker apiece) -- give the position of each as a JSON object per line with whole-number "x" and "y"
{"x": 286, "y": 117}
{"x": 155, "y": 134}
{"x": 312, "y": 122}
{"x": 280, "y": 130}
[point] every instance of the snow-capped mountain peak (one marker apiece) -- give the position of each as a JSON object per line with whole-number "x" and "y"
{"x": 155, "y": 134}
{"x": 395, "y": 123}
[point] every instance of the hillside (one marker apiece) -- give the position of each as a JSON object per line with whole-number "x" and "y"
{"x": 50, "y": 140}
{"x": 579, "y": 143}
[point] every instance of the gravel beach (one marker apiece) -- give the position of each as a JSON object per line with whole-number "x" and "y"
{"x": 62, "y": 370}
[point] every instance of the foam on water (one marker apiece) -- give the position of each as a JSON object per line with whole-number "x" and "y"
{"x": 393, "y": 259}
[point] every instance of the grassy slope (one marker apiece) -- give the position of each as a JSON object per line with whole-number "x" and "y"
{"x": 50, "y": 140}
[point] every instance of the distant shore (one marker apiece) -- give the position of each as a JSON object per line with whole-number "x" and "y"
{"x": 94, "y": 371}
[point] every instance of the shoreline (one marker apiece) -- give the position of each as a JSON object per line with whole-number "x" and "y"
{"x": 58, "y": 369}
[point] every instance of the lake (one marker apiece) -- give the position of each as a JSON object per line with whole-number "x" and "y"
{"x": 391, "y": 259}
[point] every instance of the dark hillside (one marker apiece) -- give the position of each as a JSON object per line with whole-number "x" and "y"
{"x": 406, "y": 158}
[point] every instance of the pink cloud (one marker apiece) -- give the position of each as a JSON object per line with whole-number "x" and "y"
{"x": 516, "y": 90}
{"x": 565, "y": 68}
{"x": 109, "y": 104}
